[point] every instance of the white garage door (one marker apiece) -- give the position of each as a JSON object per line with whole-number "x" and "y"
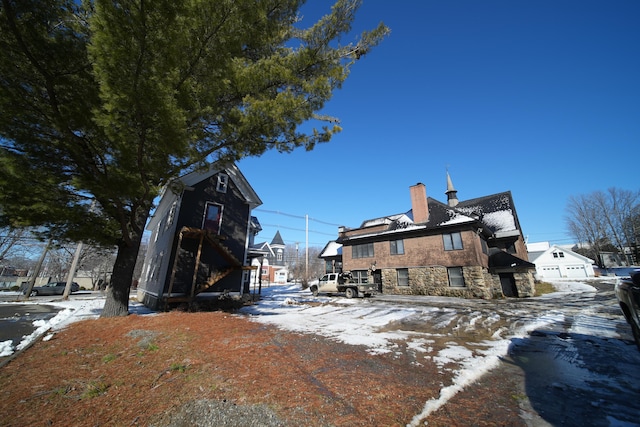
{"x": 552, "y": 272}
{"x": 576, "y": 271}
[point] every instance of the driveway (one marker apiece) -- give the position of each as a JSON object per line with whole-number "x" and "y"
{"x": 573, "y": 353}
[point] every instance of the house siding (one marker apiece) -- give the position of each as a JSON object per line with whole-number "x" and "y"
{"x": 418, "y": 250}
{"x": 170, "y": 262}
{"x": 233, "y": 229}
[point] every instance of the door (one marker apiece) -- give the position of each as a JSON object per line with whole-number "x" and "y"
{"x": 576, "y": 271}
{"x": 508, "y": 284}
{"x": 551, "y": 272}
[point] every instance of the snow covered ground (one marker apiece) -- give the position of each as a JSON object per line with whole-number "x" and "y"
{"x": 75, "y": 309}
{"x": 465, "y": 337}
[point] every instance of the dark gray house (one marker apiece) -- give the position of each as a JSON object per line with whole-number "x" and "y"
{"x": 201, "y": 233}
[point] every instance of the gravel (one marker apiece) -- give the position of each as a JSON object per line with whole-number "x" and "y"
{"x": 213, "y": 413}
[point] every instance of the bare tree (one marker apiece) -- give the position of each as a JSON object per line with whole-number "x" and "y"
{"x": 12, "y": 242}
{"x": 601, "y": 219}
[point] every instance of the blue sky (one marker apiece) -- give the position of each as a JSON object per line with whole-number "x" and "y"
{"x": 540, "y": 98}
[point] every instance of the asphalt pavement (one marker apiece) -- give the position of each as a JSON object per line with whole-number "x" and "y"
{"x": 16, "y": 320}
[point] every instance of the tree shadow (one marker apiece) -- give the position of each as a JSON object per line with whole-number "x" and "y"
{"x": 573, "y": 379}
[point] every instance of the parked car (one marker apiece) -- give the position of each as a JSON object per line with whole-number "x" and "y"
{"x": 53, "y": 288}
{"x": 628, "y": 294}
{"x": 343, "y": 282}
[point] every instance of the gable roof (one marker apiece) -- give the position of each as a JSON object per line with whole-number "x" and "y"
{"x": 496, "y": 211}
{"x": 235, "y": 175}
{"x": 533, "y": 256}
{"x": 331, "y": 249}
{"x": 263, "y": 248}
{"x": 168, "y": 194}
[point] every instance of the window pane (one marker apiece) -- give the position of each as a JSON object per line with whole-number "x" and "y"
{"x": 403, "y": 277}
{"x": 396, "y": 247}
{"x": 452, "y": 241}
{"x": 448, "y": 243}
{"x": 456, "y": 279}
{"x": 212, "y": 218}
{"x": 457, "y": 240}
{"x": 362, "y": 251}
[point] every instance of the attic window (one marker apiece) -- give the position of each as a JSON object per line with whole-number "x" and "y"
{"x": 223, "y": 182}
{"x": 558, "y": 254}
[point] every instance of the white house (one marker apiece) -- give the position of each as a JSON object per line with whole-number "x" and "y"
{"x": 555, "y": 262}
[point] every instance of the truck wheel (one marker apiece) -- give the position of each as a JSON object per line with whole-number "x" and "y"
{"x": 350, "y": 293}
{"x": 314, "y": 291}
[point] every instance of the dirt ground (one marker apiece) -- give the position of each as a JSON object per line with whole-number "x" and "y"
{"x": 139, "y": 370}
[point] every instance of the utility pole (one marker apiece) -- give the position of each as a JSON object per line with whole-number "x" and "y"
{"x": 36, "y": 271}
{"x": 306, "y": 264}
{"x": 297, "y": 270}
{"x": 72, "y": 272}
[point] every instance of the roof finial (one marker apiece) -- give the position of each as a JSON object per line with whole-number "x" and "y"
{"x": 452, "y": 198}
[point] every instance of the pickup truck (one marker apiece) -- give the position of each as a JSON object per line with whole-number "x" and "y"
{"x": 628, "y": 294}
{"x": 343, "y": 282}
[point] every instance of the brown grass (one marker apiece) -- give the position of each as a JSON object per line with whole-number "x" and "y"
{"x": 130, "y": 371}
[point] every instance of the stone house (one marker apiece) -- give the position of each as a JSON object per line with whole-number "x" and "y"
{"x": 469, "y": 249}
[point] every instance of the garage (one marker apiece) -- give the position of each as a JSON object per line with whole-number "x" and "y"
{"x": 576, "y": 271}
{"x": 551, "y": 272}
{"x": 555, "y": 262}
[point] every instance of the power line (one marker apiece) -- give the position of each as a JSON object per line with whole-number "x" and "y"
{"x": 296, "y": 216}
{"x": 297, "y": 229}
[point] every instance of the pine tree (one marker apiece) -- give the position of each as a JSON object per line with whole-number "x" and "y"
{"x": 110, "y": 100}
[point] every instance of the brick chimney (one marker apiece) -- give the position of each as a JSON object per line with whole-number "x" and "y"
{"x": 419, "y": 205}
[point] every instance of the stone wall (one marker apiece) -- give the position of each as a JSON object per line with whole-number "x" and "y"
{"x": 434, "y": 280}
{"x": 525, "y": 284}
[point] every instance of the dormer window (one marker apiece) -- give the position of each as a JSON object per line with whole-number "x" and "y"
{"x": 223, "y": 182}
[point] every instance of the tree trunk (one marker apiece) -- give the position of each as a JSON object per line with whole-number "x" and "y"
{"x": 117, "y": 301}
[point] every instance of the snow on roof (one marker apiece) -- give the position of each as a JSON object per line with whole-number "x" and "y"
{"x": 537, "y": 246}
{"x": 500, "y": 220}
{"x": 381, "y": 233}
{"x": 457, "y": 218}
{"x": 382, "y": 220}
{"x": 332, "y": 249}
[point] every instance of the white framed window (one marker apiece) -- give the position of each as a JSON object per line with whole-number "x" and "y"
{"x": 223, "y": 183}
{"x": 456, "y": 278}
{"x": 212, "y": 217}
{"x": 171, "y": 215}
{"x": 403, "y": 276}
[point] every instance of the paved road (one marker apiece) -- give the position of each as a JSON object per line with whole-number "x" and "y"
{"x": 16, "y": 320}
{"x": 579, "y": 367}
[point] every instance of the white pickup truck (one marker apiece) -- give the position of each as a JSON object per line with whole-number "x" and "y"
{"x": 342, "y": 282}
